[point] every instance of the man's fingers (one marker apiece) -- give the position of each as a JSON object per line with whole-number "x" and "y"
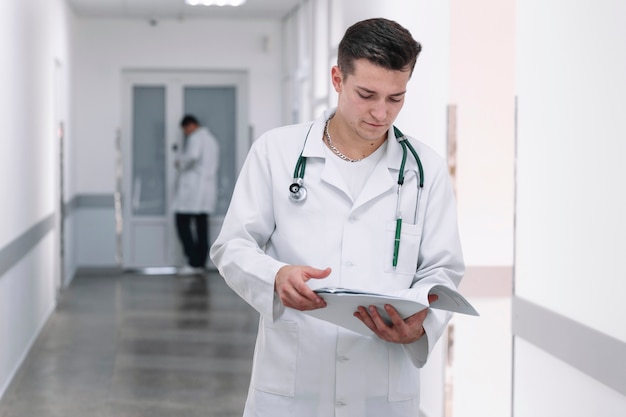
{"x": 317, "y": 273}
{"x": 290, "y": 284}
{"x": 300, "y": 297}
{"x": 399, "y": 330}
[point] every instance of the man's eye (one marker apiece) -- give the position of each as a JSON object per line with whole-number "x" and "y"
{"x": 364, "y": 96}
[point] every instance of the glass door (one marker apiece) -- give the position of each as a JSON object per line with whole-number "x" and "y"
{"x": 154, "y": 104}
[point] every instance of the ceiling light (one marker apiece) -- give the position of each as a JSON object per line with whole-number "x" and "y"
{"x": 215, "y": 2}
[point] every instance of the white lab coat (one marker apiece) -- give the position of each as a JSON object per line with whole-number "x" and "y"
{"x": 197, "y": 164}
{"x": 303, "y": 366}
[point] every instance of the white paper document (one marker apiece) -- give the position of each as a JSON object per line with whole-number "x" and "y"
{"x": 341, "y": 303}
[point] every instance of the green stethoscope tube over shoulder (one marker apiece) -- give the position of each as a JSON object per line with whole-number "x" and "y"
{"x": 298, "y": 193}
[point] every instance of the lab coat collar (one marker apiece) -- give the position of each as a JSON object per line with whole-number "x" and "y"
{"x": 385, "y": 173}
{"x": 315, "y": 147}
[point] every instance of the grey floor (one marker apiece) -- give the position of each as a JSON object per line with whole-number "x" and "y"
{"x": 125, "y": 345}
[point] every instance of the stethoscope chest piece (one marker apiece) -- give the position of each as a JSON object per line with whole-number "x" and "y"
{"x": 297, "y": 192}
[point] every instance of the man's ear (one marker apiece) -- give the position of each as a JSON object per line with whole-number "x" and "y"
{"x": 336, "y": 77}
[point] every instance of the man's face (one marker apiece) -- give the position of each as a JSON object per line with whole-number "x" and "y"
{"x": 370, "y": 98}
{"x": 189, "y": 128}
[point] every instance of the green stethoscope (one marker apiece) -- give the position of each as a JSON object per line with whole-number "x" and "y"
{"x": 298, "y": 193}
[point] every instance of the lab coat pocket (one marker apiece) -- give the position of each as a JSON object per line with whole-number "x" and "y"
{"x": 275, "y": 358}
{"x": 408, "y": 250}
{"x": 404, "y": 382}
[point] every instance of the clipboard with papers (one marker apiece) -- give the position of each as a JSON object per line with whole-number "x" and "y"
{"x": 341, "y": 303}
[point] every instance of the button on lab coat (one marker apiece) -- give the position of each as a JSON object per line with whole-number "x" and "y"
{"x": 198, "y": 163}
{"x": 304, "y": 366}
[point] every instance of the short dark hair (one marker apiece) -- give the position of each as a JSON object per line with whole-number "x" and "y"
{"x": 380, "y": 41}
{"x": 189, "y": 119}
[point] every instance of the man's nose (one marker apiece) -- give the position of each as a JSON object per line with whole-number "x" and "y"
{"x": 379, "y": 110}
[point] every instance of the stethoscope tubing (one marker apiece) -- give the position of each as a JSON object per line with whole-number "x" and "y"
{"x": 297, "y": 191}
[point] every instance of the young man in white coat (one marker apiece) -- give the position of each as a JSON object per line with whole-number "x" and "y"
{"x": 316, "y": 205}
{"x": 195, "y": 199}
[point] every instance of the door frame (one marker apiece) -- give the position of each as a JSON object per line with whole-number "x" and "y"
{"x": 174, "y": 81}
{"x": 59, "y": 146}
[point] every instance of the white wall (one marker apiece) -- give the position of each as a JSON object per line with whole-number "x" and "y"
{"x": 570, "y": 230}
{"x": 548, "y": 387}
{"x": 482, "y": 89}
{"x": 26, "y": 112}
{"x": 570, "y": 216}
{"x": 482, "y": 86}
{"x": 33, "y": 36}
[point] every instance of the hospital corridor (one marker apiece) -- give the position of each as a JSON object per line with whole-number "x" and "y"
{"x": 523, "y": 100}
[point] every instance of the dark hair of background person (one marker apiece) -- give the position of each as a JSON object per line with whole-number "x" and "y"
{"x": 188, "y": 119}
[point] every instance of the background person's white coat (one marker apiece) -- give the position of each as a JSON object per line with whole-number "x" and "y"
{"x": 197, "y": 164}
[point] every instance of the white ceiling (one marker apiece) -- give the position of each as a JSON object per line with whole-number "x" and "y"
{"x": 177, "y": 9}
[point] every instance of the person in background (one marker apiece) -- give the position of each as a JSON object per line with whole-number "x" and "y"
{"x": 278, "y": 244}
{"x": 197, "y": 164}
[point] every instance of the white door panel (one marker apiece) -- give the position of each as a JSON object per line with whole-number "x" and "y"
{"x": 153, "y": 105}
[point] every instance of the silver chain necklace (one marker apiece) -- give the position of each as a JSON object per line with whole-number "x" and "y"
{"x": 335, "y": 150}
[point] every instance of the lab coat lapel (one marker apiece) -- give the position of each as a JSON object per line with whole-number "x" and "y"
{"x": 385, "y": 174}
{"x": 332, "y": 176}
{"x": 316, "y": 148}
{"x": 381, "y": 180}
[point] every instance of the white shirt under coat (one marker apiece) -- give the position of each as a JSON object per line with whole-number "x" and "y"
{"x": 197, "y": 182}
{"x": 303, "y": 366}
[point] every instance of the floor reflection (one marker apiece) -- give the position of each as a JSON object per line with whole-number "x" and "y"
{"x": 139, "y": 345}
